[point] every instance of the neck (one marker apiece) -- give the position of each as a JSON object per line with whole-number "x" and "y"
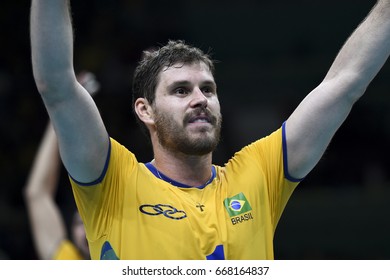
{"x": 186, "y": 169}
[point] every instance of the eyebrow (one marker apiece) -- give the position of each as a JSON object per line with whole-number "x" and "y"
{"x": 186, "y": 83}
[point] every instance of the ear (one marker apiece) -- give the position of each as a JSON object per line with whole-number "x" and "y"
{"x": 144, "y": 111}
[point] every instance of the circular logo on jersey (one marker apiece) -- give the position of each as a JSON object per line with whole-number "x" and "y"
{"x": 163, "y": 209}
{"x": 236, "y": 205}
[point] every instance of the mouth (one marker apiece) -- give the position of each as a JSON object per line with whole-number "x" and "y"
{"x": 200, "y": 119}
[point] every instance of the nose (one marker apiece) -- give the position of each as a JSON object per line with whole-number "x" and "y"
{"x": 198, "y": 99}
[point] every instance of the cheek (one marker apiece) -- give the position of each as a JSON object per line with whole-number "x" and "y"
{"x": 214, "y": 105}
{"x": 169, "y": 115}
{"x": 214, "y": 101}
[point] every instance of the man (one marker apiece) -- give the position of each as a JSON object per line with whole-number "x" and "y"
{"x": 47, "y": 225}
{"x": 180, "y": 205}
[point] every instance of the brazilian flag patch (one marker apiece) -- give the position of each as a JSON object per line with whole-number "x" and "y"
{"x": 237, "y": 205}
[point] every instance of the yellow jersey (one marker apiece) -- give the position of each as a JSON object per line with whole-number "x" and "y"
{"x": 67, "y": 251}
{"x": 135, "y": 212}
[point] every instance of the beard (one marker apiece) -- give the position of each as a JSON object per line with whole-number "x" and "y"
{"x": 176, "y": 138}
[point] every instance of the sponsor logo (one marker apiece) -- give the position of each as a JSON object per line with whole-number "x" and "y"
{"x": 163, "y": 209}
{"x": 238, "y": 208}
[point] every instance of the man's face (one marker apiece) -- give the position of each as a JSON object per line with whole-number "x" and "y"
{"x": 186, "y": 110}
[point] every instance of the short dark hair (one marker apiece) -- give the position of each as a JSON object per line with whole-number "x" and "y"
{"x": 154, "y": 61}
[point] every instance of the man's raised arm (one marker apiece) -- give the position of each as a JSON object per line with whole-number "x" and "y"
{"x": 312, "y": 125}
{"x": 82, "y": 137}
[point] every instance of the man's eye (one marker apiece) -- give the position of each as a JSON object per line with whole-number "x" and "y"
{"x": 181, "y": 91}
{"x": 208, "y": 90}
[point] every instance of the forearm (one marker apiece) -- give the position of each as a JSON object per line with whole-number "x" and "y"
{"x": 364, "y": 53}
{"x": 51, "y": 44}
{"x": 46, "y": 222}
{"x": 43, "y": 178}
{"x": 312, "y": 125}
{"x": 47, "y": 227}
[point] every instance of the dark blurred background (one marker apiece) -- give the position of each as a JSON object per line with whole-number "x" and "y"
{"x": 271, "y": 55}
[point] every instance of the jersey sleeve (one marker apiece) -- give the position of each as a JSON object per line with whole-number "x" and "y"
{"x": 100, "y": 203}
{"x": 261, "y": 169}
{"x": 280, "y": 185}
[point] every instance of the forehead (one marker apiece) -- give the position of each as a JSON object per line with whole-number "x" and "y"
{"x": 192, "y": 72}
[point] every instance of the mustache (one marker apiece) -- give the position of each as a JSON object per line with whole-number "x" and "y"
{"x": 201, "y": 112}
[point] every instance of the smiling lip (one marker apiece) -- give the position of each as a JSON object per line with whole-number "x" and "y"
{"x": 199, "y": 119}
{"x": 199, "y": 116}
